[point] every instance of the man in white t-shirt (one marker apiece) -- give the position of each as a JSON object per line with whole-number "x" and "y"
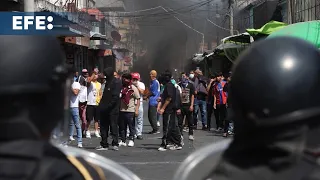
{"x": 94, "y": 97}
{"x": 83, "y": 96}
{"x": 74, "y": 109}
{"x": 139, "y": 120}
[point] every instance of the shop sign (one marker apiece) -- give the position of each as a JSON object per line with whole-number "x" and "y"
{"x": 81, "y": 41}
{"x": 78, "y": 41}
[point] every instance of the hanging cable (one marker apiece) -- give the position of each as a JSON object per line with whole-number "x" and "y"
{"x": 184, "y": 9}
{"x": 221, "y": 27}
{"x": 210, "y": 22}
{"x": 183, "y": 22}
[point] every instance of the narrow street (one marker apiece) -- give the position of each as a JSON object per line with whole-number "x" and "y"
{"x": 145, "y": 160}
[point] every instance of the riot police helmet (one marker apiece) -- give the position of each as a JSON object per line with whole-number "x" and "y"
{"x": 32, "y": 86}
{"x": 275, "y": 83}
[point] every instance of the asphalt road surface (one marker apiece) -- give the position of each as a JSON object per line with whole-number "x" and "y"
{"x": 145, "y": 160}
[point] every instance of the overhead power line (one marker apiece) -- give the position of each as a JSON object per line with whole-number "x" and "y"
{"x": 183, "y": 9}
{"x": 182, "y": 21}
{"x": 210, "y": 22}
{"x": 202, "y": 34}
{"x": 221, "y": 27}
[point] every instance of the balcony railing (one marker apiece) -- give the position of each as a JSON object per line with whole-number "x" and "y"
{"x": 78, "y": 17}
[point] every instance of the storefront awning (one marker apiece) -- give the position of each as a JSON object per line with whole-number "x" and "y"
{"x": 67, "y": 31}
{"x": 100, "y": 44}
{"x": 267, "y": 29}
{"x": 197, "y": 58}
{"x": 240, "y": 38}
{"x": 97, "y": 36}
{"x": 230, "y": 49}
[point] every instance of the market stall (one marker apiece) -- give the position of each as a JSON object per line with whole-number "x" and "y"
{"x": 309, "y": 31}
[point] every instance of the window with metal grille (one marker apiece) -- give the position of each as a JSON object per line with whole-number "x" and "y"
{"x": 306, "y": 10}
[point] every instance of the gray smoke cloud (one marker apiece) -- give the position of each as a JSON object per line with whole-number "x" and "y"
{"x": 169, "y": 43}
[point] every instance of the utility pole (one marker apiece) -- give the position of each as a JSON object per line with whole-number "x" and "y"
{"x": 231, "y": 16}
{"x": 208, "y": 38}
{"x": 204, "y": 32}
{"x": 289, "y": 13}
{"x": 216, "y": 17}
{"x": 29, "y": 5}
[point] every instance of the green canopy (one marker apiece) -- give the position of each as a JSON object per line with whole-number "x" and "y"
{"x": 309, "y": 31}
{"x": 267, "y": 29}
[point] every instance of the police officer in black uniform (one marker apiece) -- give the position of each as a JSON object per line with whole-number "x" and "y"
{"x": 32, "y": 92}
{"x": 276, "y": 103}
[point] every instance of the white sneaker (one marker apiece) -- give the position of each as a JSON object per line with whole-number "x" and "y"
{"x": 185, "y": 130}
{"x": 191, "y": 137}
{"x": 88, "y": 134}
{"x": 100, "y": 148}
{"x": 131, "y": 143}
{"x": 80, "y": 146}
{"x": 158, "y": 124}
{"x": 162, "y": 148}
{"x": 97, "y": 134}
{"x": 122, "y": 143}
{"x": 71, "y": 138}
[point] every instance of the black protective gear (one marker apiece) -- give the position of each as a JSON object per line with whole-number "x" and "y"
{"x": 276, "y": 105}
{"x": 32, "y": 86}
{"x": 30, "y": 64}
{"x": 276, "y": 82}
{"x": 33, "y": 91}
{"x": 108, "y": 72}
{"x": 274, "y": 90}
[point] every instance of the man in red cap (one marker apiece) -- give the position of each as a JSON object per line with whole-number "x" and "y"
{"x": 139, "y": 120}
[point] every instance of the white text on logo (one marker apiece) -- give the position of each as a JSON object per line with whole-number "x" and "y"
{"x": 24, "y": 22}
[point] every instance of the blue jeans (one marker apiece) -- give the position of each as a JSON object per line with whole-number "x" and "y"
{"x": 75, "y": 121}
{"x": 139, "y": 121}
{"x": 159, "y": 117}
{"x": 202, "y": 106}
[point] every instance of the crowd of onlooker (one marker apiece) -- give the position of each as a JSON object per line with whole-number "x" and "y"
{"x": 114, "y": 102}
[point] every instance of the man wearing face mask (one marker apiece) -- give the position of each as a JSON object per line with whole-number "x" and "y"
{"x": 129, "y": 109}
{"x": 191, "y": 76}
{"x": 139, "y": 120}
{"x": 187, "y": 99}
{"x": 109, "y": 111}
{"x": 169, "y": 107}
{"x": 200, "y": 99}
{"x": 210, "y": 99}
{"x": 83, "y": 95}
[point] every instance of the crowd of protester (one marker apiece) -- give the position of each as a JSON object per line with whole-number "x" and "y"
{"x": 114, "y": 103}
